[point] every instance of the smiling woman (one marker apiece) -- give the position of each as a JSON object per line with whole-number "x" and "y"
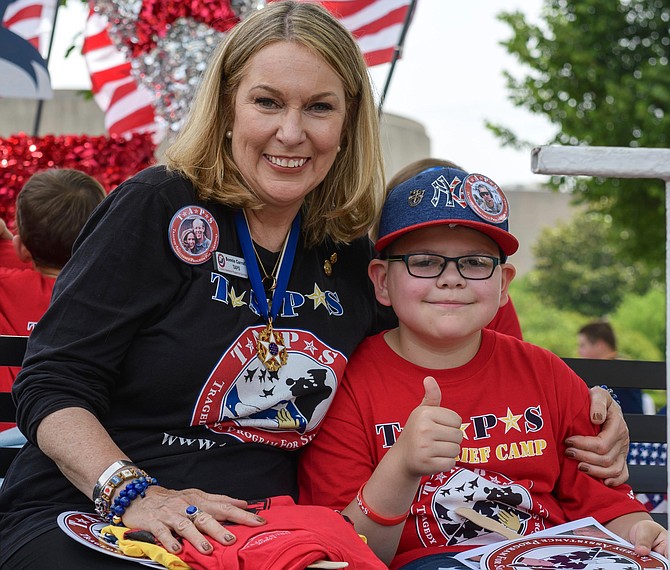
{"x": 217, "y": 320}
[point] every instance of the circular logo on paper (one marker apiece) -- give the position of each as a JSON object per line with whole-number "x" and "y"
{"x": 86, "y": 529}
{"x": 486, "y": 198}
{"x": 194, "y": 235}
{"x": 568, "y": 552}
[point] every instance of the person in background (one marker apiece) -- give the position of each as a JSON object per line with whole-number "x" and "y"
{"x": 51, "y": 209}
{"x": 441, "y": 428}
{"x": 281, "y": 159}
{"x": 506, "y": 319}
{"x": 597, "y": 340}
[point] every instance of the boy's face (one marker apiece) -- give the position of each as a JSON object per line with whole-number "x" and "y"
{"x": 448, "y": 307}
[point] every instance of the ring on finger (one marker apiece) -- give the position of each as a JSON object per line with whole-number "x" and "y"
{"x": 191, "y": 512}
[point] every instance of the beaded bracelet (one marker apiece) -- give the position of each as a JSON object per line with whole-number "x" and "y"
{"x": 374, "y": 517}
{"x": 103, "y": 500}
{"x": 130, "y": 492}
{"x": 611, "y": 393}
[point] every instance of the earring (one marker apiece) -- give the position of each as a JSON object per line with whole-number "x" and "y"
{"x": 229, "y": 135}
{"x": 339, "y": 148}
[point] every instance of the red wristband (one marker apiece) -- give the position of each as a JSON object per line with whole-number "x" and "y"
{"x": 374, "y": 517}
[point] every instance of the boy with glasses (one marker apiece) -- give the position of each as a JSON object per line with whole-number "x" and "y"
{"x": 441, "y": 429}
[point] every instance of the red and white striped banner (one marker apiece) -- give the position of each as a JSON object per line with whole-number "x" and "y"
{"x": 376, "y": 24}
{"x": 32, "y": 20}
{"x": 128, "y": 106}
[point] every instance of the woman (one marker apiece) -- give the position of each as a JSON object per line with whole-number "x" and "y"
{"x": 281, "y": 160}
{"x": 188, "y": 241}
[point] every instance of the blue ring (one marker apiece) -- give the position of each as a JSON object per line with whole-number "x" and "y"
{"x": 192, "y": 511}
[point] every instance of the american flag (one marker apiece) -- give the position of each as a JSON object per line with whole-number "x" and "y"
{"x": 32, "y": 20}
{"x": 127, "y": 104}
{"x": 376, "y": 24}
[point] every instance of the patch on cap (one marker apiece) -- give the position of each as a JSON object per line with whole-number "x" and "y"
{"x": 486, "y": 198}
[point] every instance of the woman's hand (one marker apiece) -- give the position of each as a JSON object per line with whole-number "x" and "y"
{"x": 163, "y": 512}
{"x": 603, "y": 456}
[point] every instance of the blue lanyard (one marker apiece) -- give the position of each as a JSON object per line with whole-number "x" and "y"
{"x": 285, "y": 266}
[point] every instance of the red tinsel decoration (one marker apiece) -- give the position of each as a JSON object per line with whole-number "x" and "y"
{"x": 109, "y": 159}
{"x": 156, "y": 16}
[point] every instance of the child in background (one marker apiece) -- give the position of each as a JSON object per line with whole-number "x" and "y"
{"x": 51, "y": 209}
{"x": 440, "y": 423}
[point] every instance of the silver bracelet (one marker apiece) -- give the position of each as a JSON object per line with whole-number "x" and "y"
{"x": 107, "y": 475}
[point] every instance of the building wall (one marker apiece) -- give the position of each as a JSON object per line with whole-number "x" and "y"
{"x": 403, "y": 141}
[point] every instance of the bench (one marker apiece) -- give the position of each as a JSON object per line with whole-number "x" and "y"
{"x": 12, "y": 349}
{"x": 649, "y": 479}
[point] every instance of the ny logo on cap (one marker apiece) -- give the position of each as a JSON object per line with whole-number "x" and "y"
{"x": 441, "y": 186}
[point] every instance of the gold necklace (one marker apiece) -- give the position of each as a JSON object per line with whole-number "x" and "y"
{"x": 269, "y": 280}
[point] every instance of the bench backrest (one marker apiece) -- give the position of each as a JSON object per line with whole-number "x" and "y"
{"x": 12, "y": 349}
{"x": 650, "y": 479}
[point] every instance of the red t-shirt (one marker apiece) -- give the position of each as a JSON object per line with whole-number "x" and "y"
{"x": 24, "y": 297}
{"x": 506, "y": 321}
{"x": 518, "y": 403}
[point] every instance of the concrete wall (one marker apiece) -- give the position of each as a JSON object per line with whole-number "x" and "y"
{"x": 403, "y": 141}
{"x": 533, "y": 209}
{"x": 67, "y": 113}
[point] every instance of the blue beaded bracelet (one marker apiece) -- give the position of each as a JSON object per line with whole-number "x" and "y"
{"x": 136, "y": 488}
{"x": 611, "y": 392}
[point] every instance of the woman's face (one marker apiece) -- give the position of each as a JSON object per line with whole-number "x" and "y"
{"x": 189, "y": 240}
{"x": 290, "y": 110}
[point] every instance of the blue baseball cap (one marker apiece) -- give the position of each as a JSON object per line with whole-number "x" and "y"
{"x": 446, "y": 196}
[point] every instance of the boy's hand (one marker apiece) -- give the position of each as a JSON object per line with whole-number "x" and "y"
{"x": 648, "y": 535}
{"x": 431, "y": 439}
{"x": 4, "y": 230}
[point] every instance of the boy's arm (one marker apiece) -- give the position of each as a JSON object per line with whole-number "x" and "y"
{"x": 429, "y": 443}
{"x": 640, "y": 530}
{"x": 603, "y": 456}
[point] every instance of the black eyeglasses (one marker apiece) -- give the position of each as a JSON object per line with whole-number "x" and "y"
{"x": 430, "y": 265}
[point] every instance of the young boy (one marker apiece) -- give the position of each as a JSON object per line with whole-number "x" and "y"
{"x": 441, "y": 415}
{"x": 51, "y": 209}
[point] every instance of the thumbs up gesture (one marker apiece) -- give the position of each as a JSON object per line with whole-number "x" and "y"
{"x": 431, "y": 439}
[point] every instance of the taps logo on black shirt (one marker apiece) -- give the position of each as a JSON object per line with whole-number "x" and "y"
{"x": 246, "y": 401}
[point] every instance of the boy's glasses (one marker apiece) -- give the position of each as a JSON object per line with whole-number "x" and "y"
{"x": 430, "y": 265}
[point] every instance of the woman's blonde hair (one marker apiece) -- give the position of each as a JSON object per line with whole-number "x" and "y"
{"x": 347, "y": 202}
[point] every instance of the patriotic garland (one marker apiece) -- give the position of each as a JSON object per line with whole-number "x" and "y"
{"x": 110, "y": 160}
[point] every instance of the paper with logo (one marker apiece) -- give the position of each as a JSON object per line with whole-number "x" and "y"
{"x": 581, "y": 545}
{"x": 85, "y": 528}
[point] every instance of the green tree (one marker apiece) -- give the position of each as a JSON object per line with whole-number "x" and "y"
{"x": 578, "y": 267}
{"x": 639, "y": 323}
{"x": 642, "y": 316}
{"x": 598, "y": 70}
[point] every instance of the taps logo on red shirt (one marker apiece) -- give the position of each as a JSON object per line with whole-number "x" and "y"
{"x": 490, "y": 494}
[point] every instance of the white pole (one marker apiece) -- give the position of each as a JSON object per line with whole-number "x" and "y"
{"x": 616, "y": 162}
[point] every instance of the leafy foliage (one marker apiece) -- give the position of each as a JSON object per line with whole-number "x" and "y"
{"x": 578, "y": 267}
{"x": 639, "y": 323}
{"x": 598, "y": 70}
{"x": 643, "y": 315}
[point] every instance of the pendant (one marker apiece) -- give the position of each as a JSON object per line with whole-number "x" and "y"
{"x": 270, "y": 348}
